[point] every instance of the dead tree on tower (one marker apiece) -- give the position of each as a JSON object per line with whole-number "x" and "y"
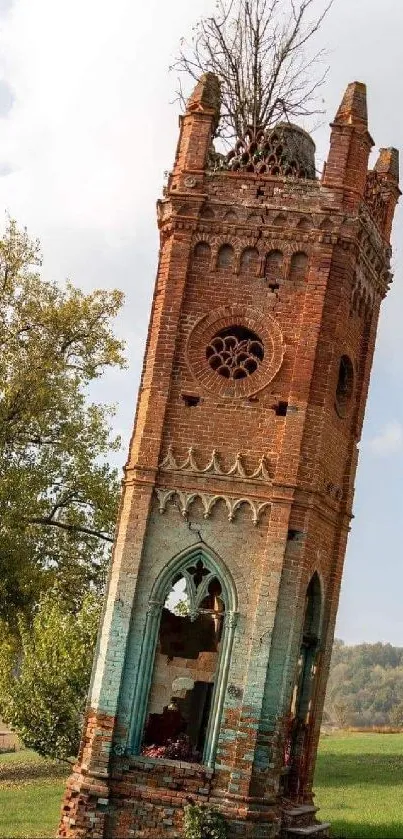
{"x": 258, "y": 49}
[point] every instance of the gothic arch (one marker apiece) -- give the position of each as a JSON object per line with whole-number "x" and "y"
{"x": 315, "y": 598}
{"x": 206, "y": 212}
{"x": 300, "y": 717}
{"x": 178, "y": 562}
{"x": 176, "y": 567}
{"x": 304, "y": 224}
{"x": 274, "y": 266}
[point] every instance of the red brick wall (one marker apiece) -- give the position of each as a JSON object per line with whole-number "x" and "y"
{"x": 309, "y": 313}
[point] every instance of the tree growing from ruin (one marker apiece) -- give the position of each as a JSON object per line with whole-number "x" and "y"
{"x": 259, "y": 50}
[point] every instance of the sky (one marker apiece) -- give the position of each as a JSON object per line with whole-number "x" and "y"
{"x": 87, "y": 129}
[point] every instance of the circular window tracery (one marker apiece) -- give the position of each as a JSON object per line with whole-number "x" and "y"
{"x": 245, "y": 359}
{"x": 235, "y": 352}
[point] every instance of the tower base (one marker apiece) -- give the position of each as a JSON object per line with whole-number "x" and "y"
{"x": 145, "y": 799}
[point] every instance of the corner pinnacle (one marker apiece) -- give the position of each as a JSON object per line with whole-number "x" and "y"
{"x": 353, "y": 108}
{"x": 206, "y": 94}
{"x": 388, "y": 163}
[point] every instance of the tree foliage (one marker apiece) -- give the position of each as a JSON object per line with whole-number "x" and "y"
{"x": 58, "y": 497}
{"x": 45, "y": 673}
{"x": 365, "y": 686}
{"x": 258, "y": 49}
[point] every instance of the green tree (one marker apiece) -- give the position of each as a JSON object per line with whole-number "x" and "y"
{"x": 44, "y": 678}
{"x": 365, "y": 686}
{"x": 58, "y": 496}
{"x": 396, "y": 716}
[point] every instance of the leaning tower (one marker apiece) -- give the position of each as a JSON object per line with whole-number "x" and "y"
{"x": 214, "y": 649}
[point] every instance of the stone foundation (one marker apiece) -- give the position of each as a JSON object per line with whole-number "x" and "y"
{"x": 145, "y": 799}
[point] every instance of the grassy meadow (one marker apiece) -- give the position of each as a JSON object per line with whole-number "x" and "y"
{"x": 359, "y": 785}
{"x": 30, "y": 792}
{"x": 359, "y": 788}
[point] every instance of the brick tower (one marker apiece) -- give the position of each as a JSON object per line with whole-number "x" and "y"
{"x": 214, "y": 649}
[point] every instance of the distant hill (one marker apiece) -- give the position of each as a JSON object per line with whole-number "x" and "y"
{"x": 365, "y": 686}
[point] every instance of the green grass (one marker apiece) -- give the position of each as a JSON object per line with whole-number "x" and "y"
{"x": 30, "y": 794}
{"x": 358, "y": 785}
{"x": 359, "y": 788}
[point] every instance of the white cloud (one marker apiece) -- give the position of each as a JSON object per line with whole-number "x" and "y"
{"x": 389, "y": 440}
{"x": 91, "y": 129}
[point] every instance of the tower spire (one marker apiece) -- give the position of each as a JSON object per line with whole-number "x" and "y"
{"x": 197, "y": 126}
{"x": 350, "y": 145}
{"x": 353, "y": 108}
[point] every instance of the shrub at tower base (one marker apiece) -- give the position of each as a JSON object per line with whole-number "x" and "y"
{"x": 45, "y": 673}
{"x": 203, "y": 823}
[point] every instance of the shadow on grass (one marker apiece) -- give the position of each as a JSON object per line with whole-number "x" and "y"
{"x": 382, "y": 830}
{"x": 20, "y": 772}
{"x": 356, "y": 770}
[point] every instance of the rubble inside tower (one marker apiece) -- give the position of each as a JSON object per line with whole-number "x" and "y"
{"x": 183, "y": 679}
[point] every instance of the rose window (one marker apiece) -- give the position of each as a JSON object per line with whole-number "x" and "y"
{"x": 235, "y": 352}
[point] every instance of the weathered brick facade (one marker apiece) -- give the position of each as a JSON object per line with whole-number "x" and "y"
{"x": 277, "y": 277}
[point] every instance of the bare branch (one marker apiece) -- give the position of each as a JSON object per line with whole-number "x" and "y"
{"x": 256, "y": 48}
{"x": 71, "y": 528}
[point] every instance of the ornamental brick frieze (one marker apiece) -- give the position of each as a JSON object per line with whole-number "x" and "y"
{"x": 364, "y": 296}
{"x": 184, "y": 500}
{"x": 292, "y": 235}
{"x": 284, "y": 151}
{"x": 371, "y": 233}
{"x": 374, "y": 254}
{"x": 184, "y": 224}
{"x": 334, "y": 492}
{"x": 264, "y": 246}
{"x": 191, "y": 465}
{"x": 377, "y": 199}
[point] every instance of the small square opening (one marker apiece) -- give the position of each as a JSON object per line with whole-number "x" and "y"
{"x": 295, "y": 535}
{"x": 281, "y": 409}
{"x": 191, "y": 400}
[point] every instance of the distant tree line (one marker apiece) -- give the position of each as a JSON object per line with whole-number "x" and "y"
{"x": 365, "y": 687}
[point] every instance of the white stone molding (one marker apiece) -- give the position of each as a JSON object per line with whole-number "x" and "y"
{"x": 184, "y": 500}
{"x": 237, "y": 470}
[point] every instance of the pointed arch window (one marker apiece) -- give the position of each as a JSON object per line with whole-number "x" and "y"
{"x": 185, "y": 659}
{"x": 300, "y": 719}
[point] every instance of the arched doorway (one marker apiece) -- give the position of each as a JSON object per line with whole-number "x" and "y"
{"x": 185, "y": 659}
